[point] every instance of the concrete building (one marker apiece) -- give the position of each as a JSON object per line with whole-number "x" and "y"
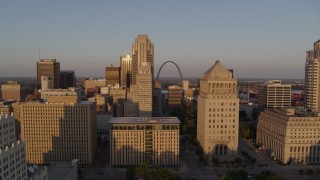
{"x": 142, "y": 51}
{"x": 100, "y": 100}
{"x": 125, "y": 68}
{"x": 312, "y": 78}
{"x": 55, "y": 95}
{"x": 93, "y": 83}
{"x": 185, "y": 85}
{"x": 174, "y": 95}
{"x": 49, "y": 67}
{"x": 144, "y": 140}
{"x": 273, "y": 94}
{"x": 290, "y": 135}
{"x": 12, "y": 151}
{"x": 139, "y": 97}
{"x": 47, "y": 82}
{"x": 67, "y": 79}
{"x": 59, "y": 130}
{"x": 218, "y": 113}
{"x": 112, "y": 76}
{"x": 11, "y": 91}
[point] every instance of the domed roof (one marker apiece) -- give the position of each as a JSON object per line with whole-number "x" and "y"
{"x": 217, "y": 72}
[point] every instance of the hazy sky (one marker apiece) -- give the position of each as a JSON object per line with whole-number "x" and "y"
{"x": 258, "y": 39}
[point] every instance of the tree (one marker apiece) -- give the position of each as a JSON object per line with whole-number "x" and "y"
{"x": 235, "y": 175}
{"x": 268, "y": 175}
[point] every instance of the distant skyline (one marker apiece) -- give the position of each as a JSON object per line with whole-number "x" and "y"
{"x": 258, "y": 39}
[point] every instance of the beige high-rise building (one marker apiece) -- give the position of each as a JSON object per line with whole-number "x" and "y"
{"x": 142, "y": 51}
{"x": 49, "y": 67}
{"x": 125, "y": 68}
{"x": 218, "y": 112}
{"x": 59, "y": 131}
{"x": 139, "y": 97}
{"x": 144, "y": 140}
{"x": 312, "y": 78}
{"x": 11, "y": 91}
{"x": 273, "y": 94}
{"x": 290, "y": 135}
{"x": 13, "y": 163}
{"x": 47, "y": 82}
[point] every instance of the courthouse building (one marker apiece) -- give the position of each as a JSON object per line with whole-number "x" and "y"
{"x": 290, "y": 135}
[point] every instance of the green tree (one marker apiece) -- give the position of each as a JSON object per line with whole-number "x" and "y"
{"x": 235, "y": 175}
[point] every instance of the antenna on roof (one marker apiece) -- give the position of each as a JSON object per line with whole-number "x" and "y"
{"x": 39, "y": 54}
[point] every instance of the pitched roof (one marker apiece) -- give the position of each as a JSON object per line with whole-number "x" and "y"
{"x": 217, "y": 72}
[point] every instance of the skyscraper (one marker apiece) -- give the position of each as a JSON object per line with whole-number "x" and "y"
{"x": 218, "y": 112}
{"x": 48, "y": 67}
{"x": 142, "y": 51}
{"x": 125, "y": 68}
{"x": 312, "y": 78}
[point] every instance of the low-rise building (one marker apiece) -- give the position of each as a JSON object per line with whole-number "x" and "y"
{"x": 144, "y": 140}
{"x": 290, "y": 135}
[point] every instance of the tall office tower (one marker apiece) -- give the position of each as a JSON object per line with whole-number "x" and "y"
{"x": 218, "y": 113}
{"x": 273, "y": 94}
{"x": 290, "y": 135}
{"x": 59, "y": 131}
{"x": 144, "y": 140}
{"x": 312, "y": 78}
{"x": 142, "y": 51}
{"x": 12, "y": 151}
{"x": 46, "y": 82}
{"x": 11, "y": 90}
{"x": 48, "y": 67}
{"x": 139, "y": 98}
{"x": 112, "y": 76}
{"x": 125, "y": 68}
{"x": 67, "y": 79}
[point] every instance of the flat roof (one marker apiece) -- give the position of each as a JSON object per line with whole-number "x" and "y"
{"x": 144, "y": 120}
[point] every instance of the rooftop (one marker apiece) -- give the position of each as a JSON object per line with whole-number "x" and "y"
{"x": 144, "y": 120}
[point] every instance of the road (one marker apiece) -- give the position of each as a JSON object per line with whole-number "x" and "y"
{"x": 191, "y": 167}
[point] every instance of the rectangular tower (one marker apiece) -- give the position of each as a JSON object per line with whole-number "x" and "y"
{"x": 142, "y": 51}
{"x": 273, "y": 94}
{"x": 59, "y": 131}
{"x": 125, "y": 68}
{"x": 112, "y": 76}
{"x": 48, "y": 67}
{"x": 218, "y": 113}
{"x": 312, "y": 78}
{"x": 67, "y": 79}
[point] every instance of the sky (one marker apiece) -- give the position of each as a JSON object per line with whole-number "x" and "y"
{"x": 257, "y": 39}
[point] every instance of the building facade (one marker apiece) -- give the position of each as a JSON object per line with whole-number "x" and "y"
{"x": 13, "y": 163}
{"x": 174, "y": 95}
{"x": 312, "y": 78}
{"x": 11, "y": 91}
{"x": 67, "y": 79}
{"x": 139, "y": 97}
{"x": 59, "y": 131}
{"x": 144, "y": 140}
{"x": 49, "y": 67}
{"x": 218, "y": 113}
{"x": 142, "y": 51}
{"x": 125, "y": 68}
{"x": 273, "y": 94}
{"x": 112, "y": 76}
{"x": 290, "y": 135}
